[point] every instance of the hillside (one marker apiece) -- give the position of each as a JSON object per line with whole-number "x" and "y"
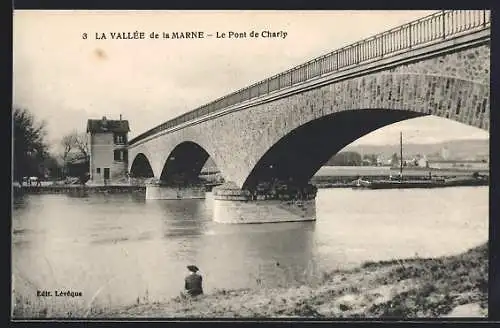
{"x": 456, "y": 148}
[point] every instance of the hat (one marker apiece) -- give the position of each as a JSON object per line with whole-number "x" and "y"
{"x": 193, "y": 268}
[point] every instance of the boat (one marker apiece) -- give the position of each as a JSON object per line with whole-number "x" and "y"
{"x": 360, "y": 183}
{"x": 434, "y": 183}
{"x": 431, "y": 182}
{"x": 399, "y": 184}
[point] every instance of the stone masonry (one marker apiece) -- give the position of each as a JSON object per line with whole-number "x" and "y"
{"x": 454, "y": 85}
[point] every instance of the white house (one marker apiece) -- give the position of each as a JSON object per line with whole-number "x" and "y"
{"x": 107, "y": 141}
{"x": 422, "y": 162}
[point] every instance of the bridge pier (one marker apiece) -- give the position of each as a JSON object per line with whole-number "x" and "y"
{"x": 159, "y": 192}
{"x": 234, "y": 205}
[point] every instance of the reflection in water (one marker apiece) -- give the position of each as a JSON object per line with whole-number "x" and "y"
{"x": 78, "y": 193}
{"x": 118, "y": 247}
{"x": 182, "y": 217}
{"x": 267, "y": 254}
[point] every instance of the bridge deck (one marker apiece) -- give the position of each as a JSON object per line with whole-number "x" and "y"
{"x": 432, "y": 29}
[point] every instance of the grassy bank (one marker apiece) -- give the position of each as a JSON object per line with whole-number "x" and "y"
{"x": 401, "y": 288}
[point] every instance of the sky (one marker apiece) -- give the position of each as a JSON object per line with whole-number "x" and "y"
{"x": 64, "y": 79}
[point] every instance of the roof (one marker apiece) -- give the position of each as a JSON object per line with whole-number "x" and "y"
{"x": 75, "y": 157}
{"x": 75, "y": 161}
{"x": 105, "y": 125}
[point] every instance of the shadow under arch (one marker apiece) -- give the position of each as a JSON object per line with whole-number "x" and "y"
{"x": 184, "y": 164}
{"x": 141, "y": 168}
{"x": 297, "y": 156}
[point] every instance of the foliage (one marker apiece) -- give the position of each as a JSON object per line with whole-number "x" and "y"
{"x": 395, "y": 159}
{"x": 30, "y": 148}
{"x": 346, "y": 158}
{"x": 371, "y": 159}
{"x": 75, "y": 147}
{"x": 52, "y": 167}
{"x": 76, "y": 143}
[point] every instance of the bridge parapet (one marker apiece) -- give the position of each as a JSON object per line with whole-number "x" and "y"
{"x": 431, "y": 29}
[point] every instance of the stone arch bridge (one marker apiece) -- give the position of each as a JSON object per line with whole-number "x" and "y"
{"x": 286, "y": 127}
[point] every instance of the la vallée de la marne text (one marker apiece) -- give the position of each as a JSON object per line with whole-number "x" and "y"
{"x": 58, "y": 293}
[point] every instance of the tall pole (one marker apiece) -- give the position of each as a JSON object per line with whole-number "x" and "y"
{"x": 401, "y": 155}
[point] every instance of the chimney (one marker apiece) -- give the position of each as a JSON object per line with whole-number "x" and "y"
{"x": 120, "y": 117}
{"x": 104, "y": 118}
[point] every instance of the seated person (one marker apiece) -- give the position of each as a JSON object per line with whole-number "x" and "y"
{"x": 193, "y": 282}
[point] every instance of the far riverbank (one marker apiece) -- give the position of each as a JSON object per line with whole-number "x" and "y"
{"x": 326, "y": 177}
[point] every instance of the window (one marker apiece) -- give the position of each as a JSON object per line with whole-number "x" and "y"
{"x": 98, "y": 170}
{"x": 119, "y": 139}
{"x": 120, "y": 155}
{"x": 117, "y": 155}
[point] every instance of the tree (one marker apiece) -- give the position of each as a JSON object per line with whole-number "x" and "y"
{"x": 67, "y": 143}
{"x": 74, "y": 142}
{"x": 346, "y": 158}
{"x": 395, "y": 160}
{"x": 75, "y": 147}
{"x": 81, "y": 143}
{"x": 30, "y": 148}
{"x": 371, "y": 158}
{"x": 52, "y": 167}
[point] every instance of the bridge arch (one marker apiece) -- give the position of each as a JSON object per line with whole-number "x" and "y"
{"x": 298, "y": 155}
{"x": 306, "y": 133}
{"x": 141, "y": 167}
{"x": 184, "y": 163}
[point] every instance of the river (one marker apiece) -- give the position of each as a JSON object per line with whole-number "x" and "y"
{"x": 120, "y": 249}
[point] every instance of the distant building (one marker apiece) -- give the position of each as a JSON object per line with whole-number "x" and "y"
{"x": 445, "y": 153}
{"x": 412, "y": 161}
{"x": 459, "y": 164}
{"x": 384, "y": 161}
{"x": 366, "y": 162}
{"x": 422, "y": 161}
{"x": 107, "y": 141}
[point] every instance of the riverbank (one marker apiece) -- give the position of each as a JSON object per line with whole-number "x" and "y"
{"x": 385, "y": 183}
{"x": 411, "y": 288}
{"x": 76, "y": 189}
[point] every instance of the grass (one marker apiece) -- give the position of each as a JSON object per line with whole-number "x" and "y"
{"x": 442, "y": 284}
{"x": 26, "y": 307}
{"x": 408, "y": 288}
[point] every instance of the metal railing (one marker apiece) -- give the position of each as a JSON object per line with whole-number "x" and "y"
{"x": 433, "y": 28}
